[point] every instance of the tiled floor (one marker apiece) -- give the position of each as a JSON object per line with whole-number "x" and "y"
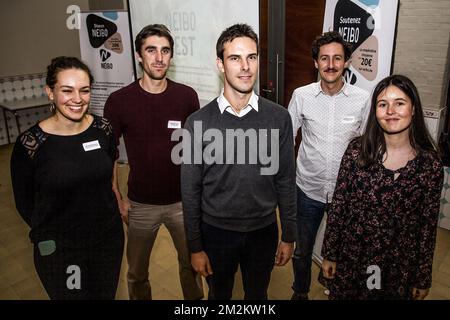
{"x": 18, "y": 279}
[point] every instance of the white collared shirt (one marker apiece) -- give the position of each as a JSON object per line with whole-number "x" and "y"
{"x": 225, "y": 105}
{"x": 328, "y": 124}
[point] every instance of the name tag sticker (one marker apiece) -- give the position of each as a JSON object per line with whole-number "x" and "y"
{"x": 350, "y": 119}
{"x": 91, "y": 145}
{"x": 173, "y": 124}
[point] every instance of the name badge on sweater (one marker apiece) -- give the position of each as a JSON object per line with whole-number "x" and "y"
{"x": 173, "y": 124}
{"x": 91, "y": 145}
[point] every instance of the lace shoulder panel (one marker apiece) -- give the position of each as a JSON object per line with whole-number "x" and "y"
{"x": 32, "y": 139}
{"x": 102, "y": 124}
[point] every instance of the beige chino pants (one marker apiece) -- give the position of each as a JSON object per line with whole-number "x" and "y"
{"x": 144, "y": 223}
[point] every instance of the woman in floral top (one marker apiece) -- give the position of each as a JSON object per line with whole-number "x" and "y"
{"x": 381, "y": 226}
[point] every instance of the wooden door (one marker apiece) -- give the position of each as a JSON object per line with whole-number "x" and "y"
{"x": 303, "y": 21}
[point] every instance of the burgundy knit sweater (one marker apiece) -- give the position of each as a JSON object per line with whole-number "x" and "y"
{"x": 142, "y": 118}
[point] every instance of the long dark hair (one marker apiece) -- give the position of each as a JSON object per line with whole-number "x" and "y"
{"x": 373, "y": 144}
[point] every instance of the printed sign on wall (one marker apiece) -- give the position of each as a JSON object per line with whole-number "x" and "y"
{"x": 369, "y": 26}
{"x": 195, "y": 26}
{"x": 105, "y": 47}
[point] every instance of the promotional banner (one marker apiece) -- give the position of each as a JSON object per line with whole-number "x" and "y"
{"x": 195, "y": 26}
{"x": 369, "y": 25}
{"x": 105, "y": 47}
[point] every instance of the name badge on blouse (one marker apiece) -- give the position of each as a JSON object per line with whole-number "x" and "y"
{"x": 173, "y": 124}
{"x": 349, "y": 119}
{"x": 91, "y": 145}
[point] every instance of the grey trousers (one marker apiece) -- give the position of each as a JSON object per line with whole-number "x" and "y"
{"x": 144, "y": 223}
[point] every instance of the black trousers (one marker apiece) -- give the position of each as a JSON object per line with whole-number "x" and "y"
{"x": 83, "y": 273}
{"x": 253, "y": 251}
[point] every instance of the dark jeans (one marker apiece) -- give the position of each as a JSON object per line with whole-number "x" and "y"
{"x": 99, "y": 268}
{"x": 309, "y": 215}
{"x": 253, "y": 251}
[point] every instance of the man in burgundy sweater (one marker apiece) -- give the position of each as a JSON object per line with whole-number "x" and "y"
{"x": 145, "y": 113}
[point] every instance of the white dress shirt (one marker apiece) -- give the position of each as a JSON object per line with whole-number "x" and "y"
{"x": 328, "y": 124}
{"x": 225, "y": 105}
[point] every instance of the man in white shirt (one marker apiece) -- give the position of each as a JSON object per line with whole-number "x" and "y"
{"x": 331, "y": 113}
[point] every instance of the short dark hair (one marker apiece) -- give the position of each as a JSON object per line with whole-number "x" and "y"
{"x": 329, "y": 37}
{"x": 62, "y": 63}
{"x": 158, "y": 30}
{"x": 235, "y": 31}
{"x": 373, "y": 144}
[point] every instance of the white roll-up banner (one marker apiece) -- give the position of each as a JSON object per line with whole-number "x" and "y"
{"x": 195, "y": 26}
{"x": 106, "y": 48}
{"x": 369, "y": 26}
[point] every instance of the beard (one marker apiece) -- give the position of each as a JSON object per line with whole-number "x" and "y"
{"x": 155, "y": 75}
{"x": 244, "y": 89}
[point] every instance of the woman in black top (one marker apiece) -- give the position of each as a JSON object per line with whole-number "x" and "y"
{"x": 61, "y": 170}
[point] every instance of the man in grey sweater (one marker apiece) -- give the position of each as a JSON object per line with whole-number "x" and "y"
{"x": 238, "y": 167}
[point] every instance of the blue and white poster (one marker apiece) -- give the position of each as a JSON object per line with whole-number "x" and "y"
{"x": 369, "y": 26}
{"x": 105, "y": 47}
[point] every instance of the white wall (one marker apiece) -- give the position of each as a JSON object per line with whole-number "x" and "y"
{"x": 422, "y": 50}
{"x": 32, "y": 32}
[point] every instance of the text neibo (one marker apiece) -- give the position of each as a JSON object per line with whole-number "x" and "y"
{"x": 106, "y": 65}
{"x": 99, "y": 31}
{"x": 349, "y": 34}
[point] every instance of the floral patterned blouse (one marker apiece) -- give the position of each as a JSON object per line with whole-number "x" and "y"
{"x": 381, "y": 231}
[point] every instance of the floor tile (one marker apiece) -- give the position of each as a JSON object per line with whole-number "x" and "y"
{"x": 18, "y": 279}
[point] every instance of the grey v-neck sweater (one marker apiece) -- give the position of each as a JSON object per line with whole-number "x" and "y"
{"x": 239, "y": 188}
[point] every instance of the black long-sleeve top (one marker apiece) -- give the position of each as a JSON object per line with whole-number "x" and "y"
{"x": 63, "y": 184}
